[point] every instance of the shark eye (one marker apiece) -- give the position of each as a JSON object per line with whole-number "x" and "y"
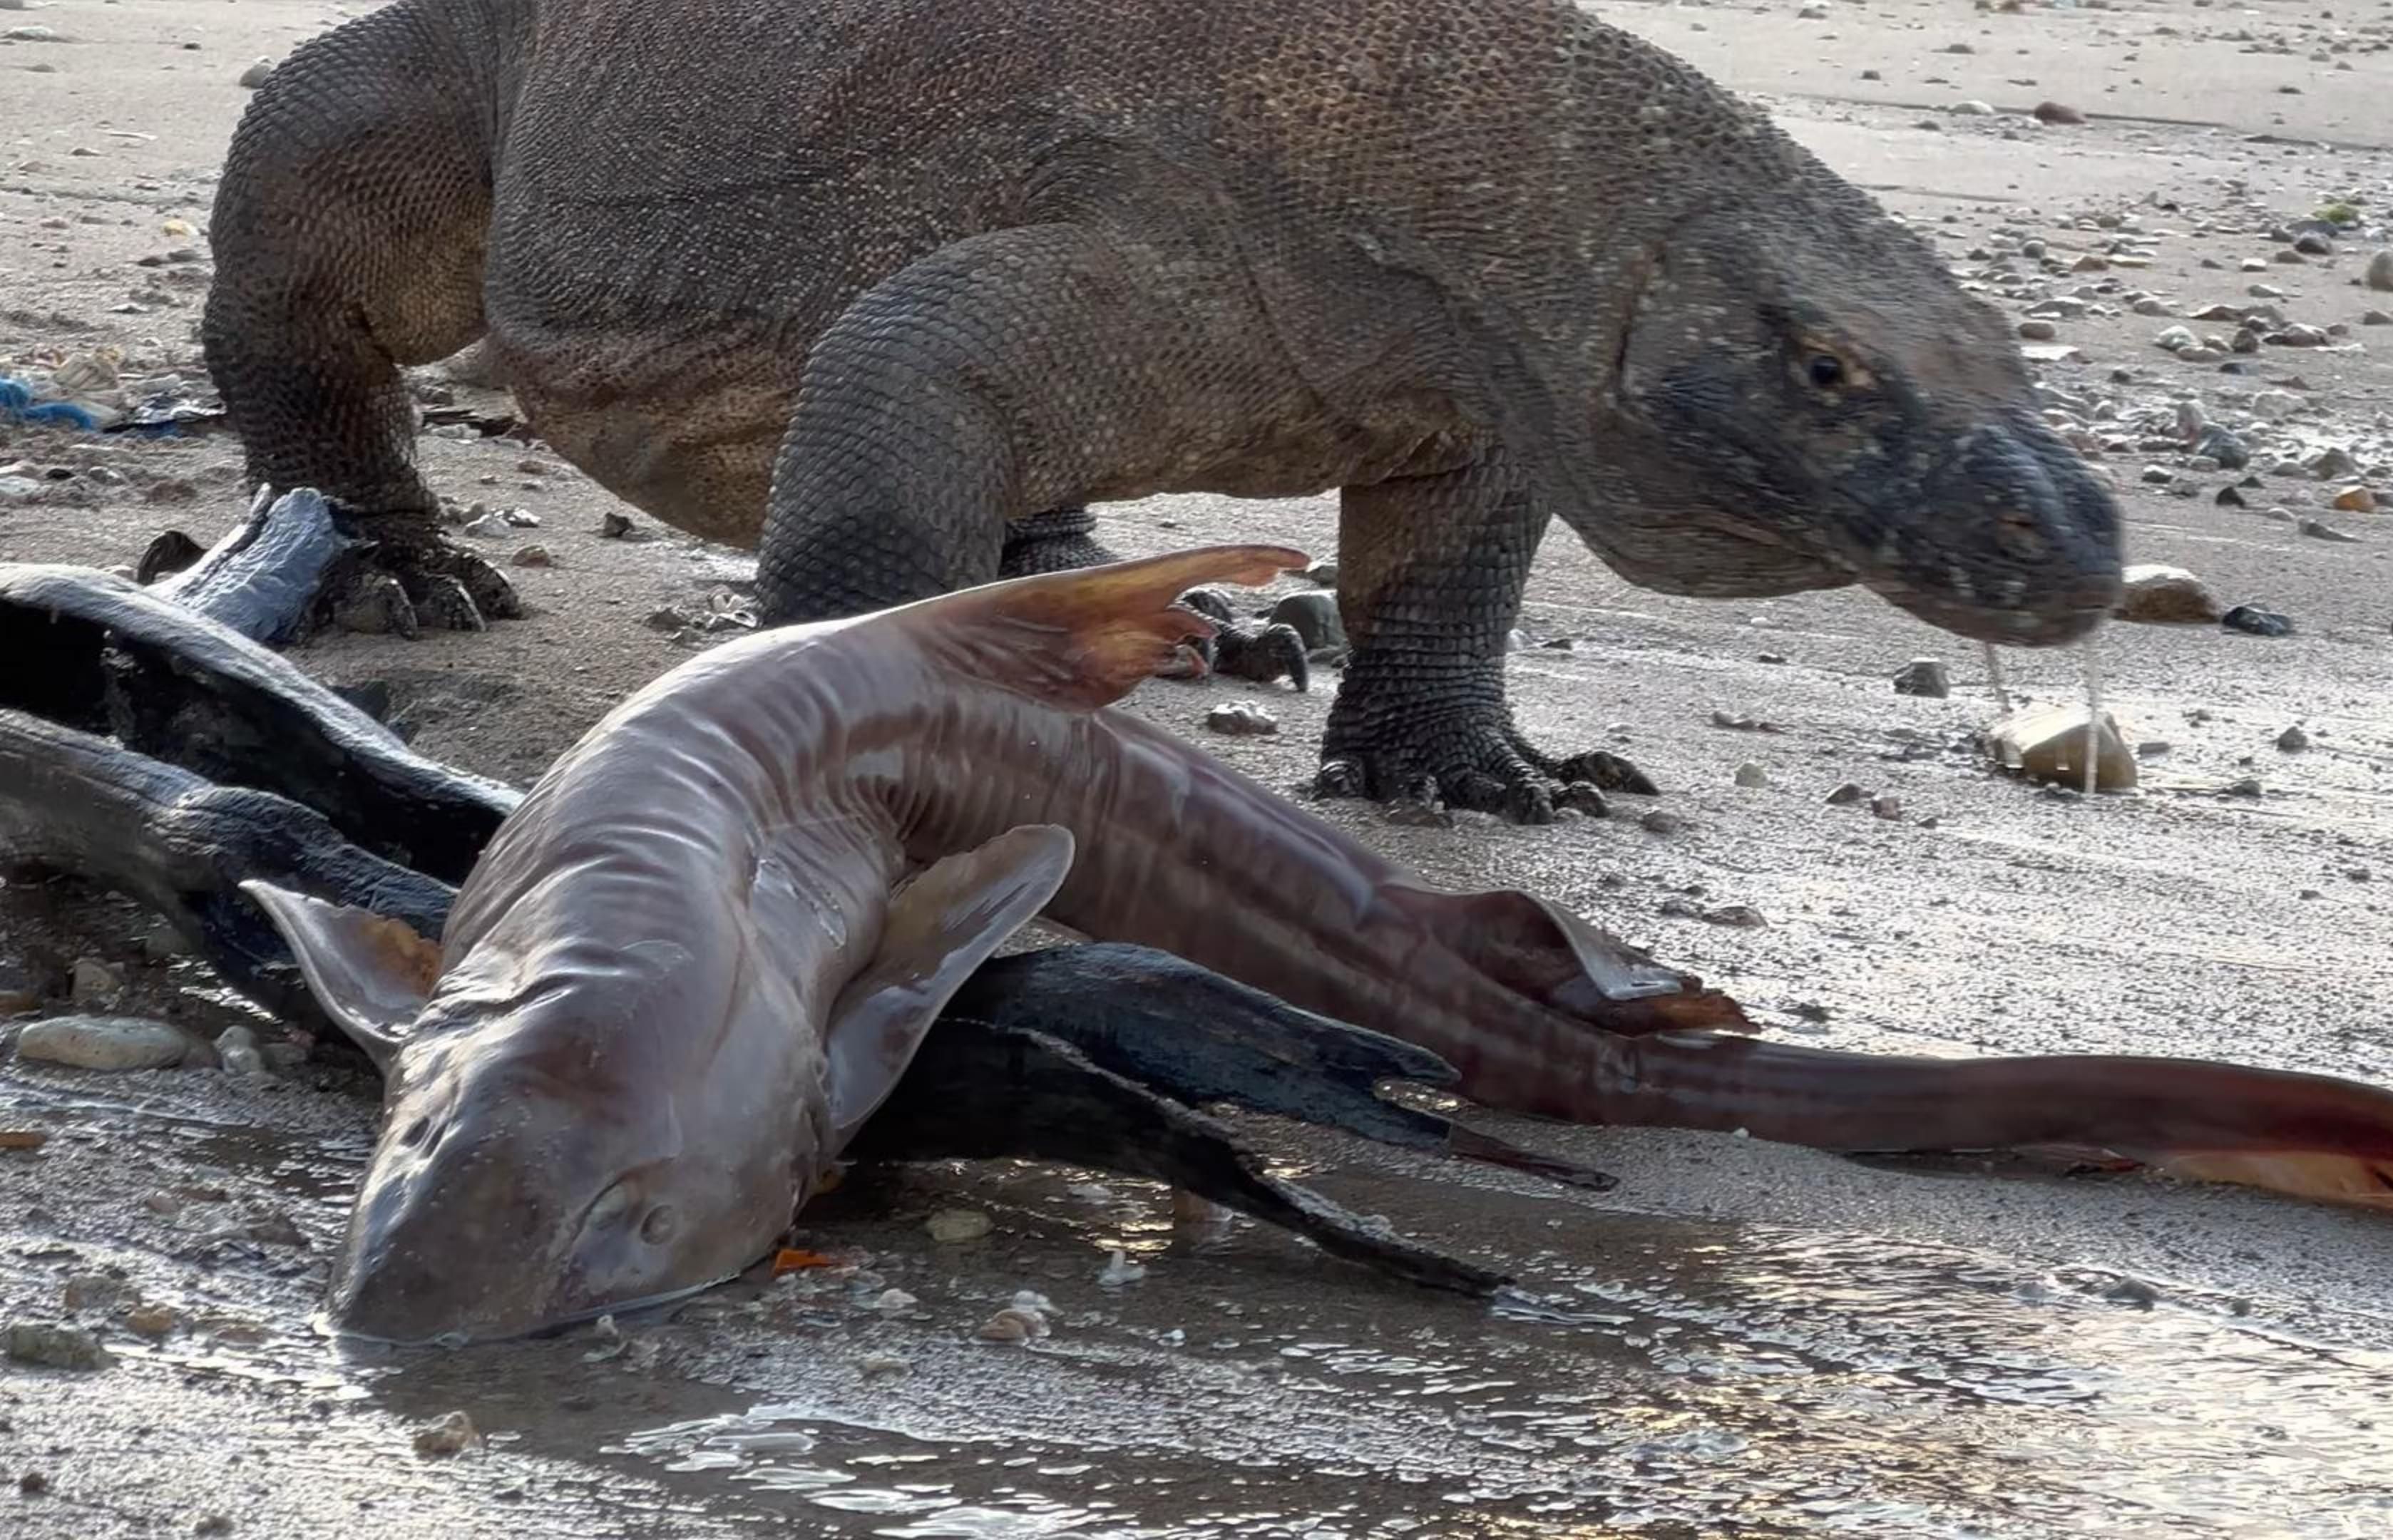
{"x": 1828, "y": 371}
{"x": 659, "y": 1226}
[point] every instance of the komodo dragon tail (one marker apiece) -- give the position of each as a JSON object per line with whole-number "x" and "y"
{"x": 2307, "y": 1135}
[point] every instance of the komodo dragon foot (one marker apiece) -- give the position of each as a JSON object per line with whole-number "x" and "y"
{"x": 1242, "y": 649}
{"x": 1456, "y": 747}
{"x": 411, "y": 579}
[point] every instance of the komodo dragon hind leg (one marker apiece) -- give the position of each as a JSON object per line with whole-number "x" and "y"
{"x": 1057, "y": 541}
{"x": 1432, "y": 573}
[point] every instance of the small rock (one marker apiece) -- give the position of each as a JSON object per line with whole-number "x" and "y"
{"x": 93, "y": 982}
{"x": 1751, "y": 774}
{"x": 2332, "y": 463}
{"x": 1241, "y": 719}
{"x": 881, "y": 1365}
{"x": 954, "y": 1226}
{"x": 1739, "y": 916}
{"x": 2293, "y": 741}
{"x": 48, "y": 1346}
{"x": 214, "y": 1524}
{"x": 1845, "y": 795}
{"x": 2355, "y": 500}
{"x": 2133, "y": 1291}
{"x": 667, "y": 619}
{"x": 2319, "y": 530}
{"x": 256, "y": 75}
{"x": 236, "y": 1051}
{"x": 1923, "y": 676}
{"x": 1013, "y": 1325}
{"x": 151, "y": 1320}
{"x": 2048, "y": 743}
{"x": 2176, "y": 339}
{"x": 90, "y": 1291}
{"x": 2255, "y": 622}
{"x": 2038, "y": 330}
{"x": 891, "y": 1301}
{"x": 2053, "y": 111}
{"x": 1888, "y": 807}
{"x": 107, "y": 1043}
{"x": 614, "y": 526}
{"x": 451, "y": 1435}
{"x": 2377, "y": 317}
{"x": 2380, "y": 270}
{"x": 534, "y": 556}
{"x": 1322, "y": 573}
{"x": 1974, "y": 108}
{"x": 1659, "y": 822}
{"x": 2311, "y": 243}
{"x": 2153, "y": 594}
{"x": 32, "y": 1484}
{"x": 488, "y": 526}
{"x": 1314, "y": 618}
{"x": 2223, "y": 447}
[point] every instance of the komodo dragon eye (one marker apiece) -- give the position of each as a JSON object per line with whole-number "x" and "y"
{"x": 1828, "y": 371}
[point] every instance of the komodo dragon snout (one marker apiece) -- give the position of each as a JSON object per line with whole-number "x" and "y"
{"x": 1827, "y": 412}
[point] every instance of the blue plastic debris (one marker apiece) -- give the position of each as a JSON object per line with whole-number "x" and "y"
{"x": 16, "y": 404}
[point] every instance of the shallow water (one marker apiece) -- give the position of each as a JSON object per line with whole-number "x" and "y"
{"x": 1652, "y": 1376}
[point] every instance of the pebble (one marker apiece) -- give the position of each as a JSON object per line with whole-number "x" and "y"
{"x": 1324, "y": 573}
{"x": 534, "y": 556}
{"x": 2253, "y": 620}
{"x": 2332, "y": 464}
{"x": 2053, "y": 111}
{"x": 2223, "y": 447}
{"x": 881, "y": 1365}
{"x": 890, "y": 1302}
{"x": 151, "y": 1320}
{"x": 111, "y": 1043}
{"x": 2380, "y": 270}
{"x": 2319, "y": 530}
{"x": 2154, "y": 594}
{"x": 49, "y": 1346}
{"x": 2038, "y": 330}
{"x": 1315, "y": 617}
{"x": 2048, "y": 743}
{"x": 2355, "y": 500}
{"x": 1923, "y": 676}
{"x": 1888, "y": 807}
{"x": 954, "y": 1226}
{"x": 1013, "y": 1325}
{"x": 1750, "y": 774}
{"x": 1659, "y": 822}
{"x": 2176, "y": 339}
{"x": 488, "y": 526}
{"x": 257, "y": 74}
{"x": 19, "y": 988}
{"x": 236, "y": 1051}
{"x": 1739, "y": 916}
{"x": 92, "y": 982}
{"x": 451, "y": 1435}
{"x": 2293, "y": 741}
{"x": 1845, "y": 795}
{"x": 1241, "y": 719}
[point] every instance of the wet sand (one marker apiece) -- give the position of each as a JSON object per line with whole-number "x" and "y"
{"x": 1742, "y": 1338}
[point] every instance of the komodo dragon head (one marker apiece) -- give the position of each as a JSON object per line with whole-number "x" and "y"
{"x": 1802, "y": 396}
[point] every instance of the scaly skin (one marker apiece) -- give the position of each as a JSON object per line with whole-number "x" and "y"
{"x": 897, "y": 289}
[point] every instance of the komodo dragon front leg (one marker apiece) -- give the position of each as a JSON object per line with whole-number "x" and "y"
{"x": 1042, "y": 368}
{"x": 348, "y": 231}
{"x": 1431, "y": 573}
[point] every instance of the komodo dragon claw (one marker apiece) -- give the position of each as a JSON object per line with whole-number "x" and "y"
{"x": 1486, "y": 766}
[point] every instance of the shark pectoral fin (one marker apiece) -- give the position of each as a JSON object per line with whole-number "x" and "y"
{"x": 940, "y": 927}
{"x": 370, "y": 973}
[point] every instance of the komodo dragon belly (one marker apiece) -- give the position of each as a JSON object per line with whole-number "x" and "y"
{"x": 682, "y": 426}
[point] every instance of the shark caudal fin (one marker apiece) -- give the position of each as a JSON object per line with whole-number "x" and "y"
{"x": 1087, "y": 637}
{"x": 2304, "y": 1135}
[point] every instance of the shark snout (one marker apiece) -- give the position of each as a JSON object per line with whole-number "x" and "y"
{"x": 2009, "y": 540}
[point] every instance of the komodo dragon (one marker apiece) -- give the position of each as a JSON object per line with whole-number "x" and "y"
{"x": 894, "y": 289}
